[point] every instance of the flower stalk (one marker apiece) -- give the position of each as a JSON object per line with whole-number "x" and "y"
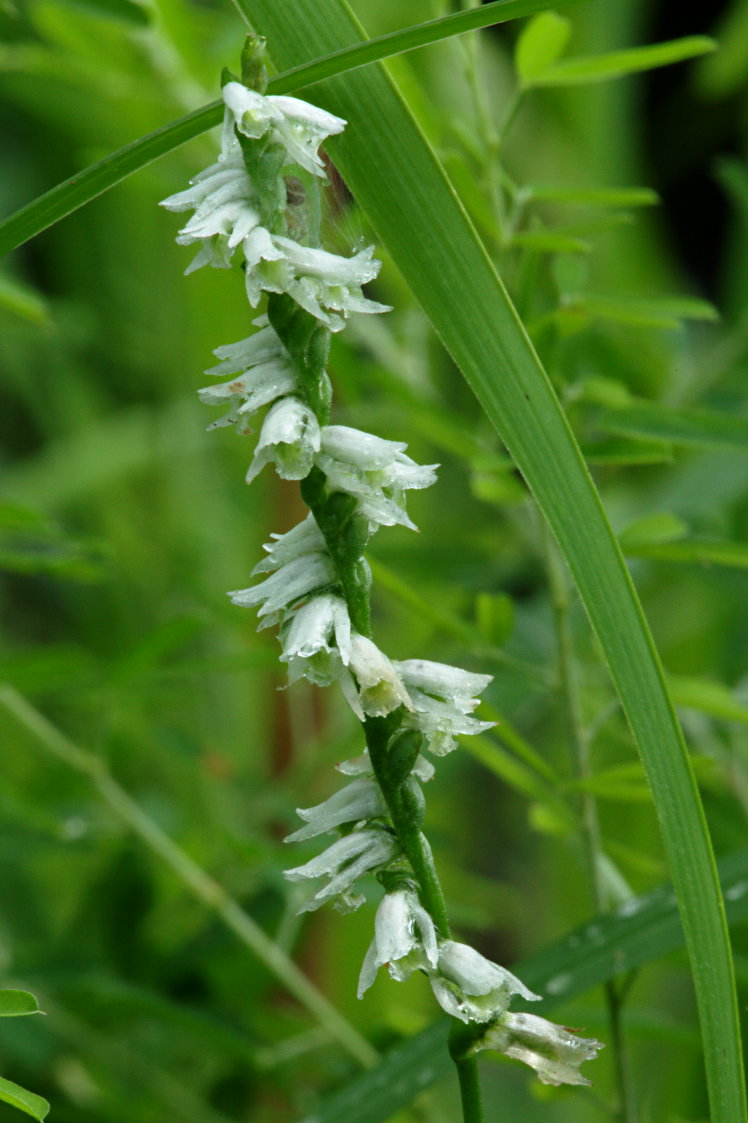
{"x": 316, "y": 582}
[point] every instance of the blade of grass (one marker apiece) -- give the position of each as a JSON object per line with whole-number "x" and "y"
{"x": 394, "y": 174}
{"x": 86, "y": 185}
{"x": 608, "y": 947}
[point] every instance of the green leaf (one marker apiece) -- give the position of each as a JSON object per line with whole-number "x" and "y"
{"x": 661, "y": 312}
{"x": 406, "y": 195}
{"x": 657, "y": 527}
{"x": 622, "y": 452}
{"x": 541, "y": 44}
{"x": 591, "y": 196}
{"x": 641, "y": 930}
{"x": 690, "y": 427}
{"x": 27, "y": 1102}
{"x": 21, "y": 300}
{"x": 733, "y": 555}
{"x": 616, "y": 64}
{"x": 713, "y": 698}
{"x": 550, "y": 241}
{"x": 86, "y": 185}
{"x": 16, "y": 1002}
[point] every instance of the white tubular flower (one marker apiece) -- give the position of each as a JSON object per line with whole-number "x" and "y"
{"x": 343, "y": 863}
{"x": 374, "y": 470}
{"x": 324, "y": 284}
{"x": 293, "y": 580}
{"x": 472, "y": 988}
{"x": 221, "y": 198}
{"x": 404, "y": 939}
{"x": 380, "y": 689}
{"x": 299, "y": 127}
{"x": 361, "y": 765}
{"x": 303, "y": 539}
{"x": 290, "y": 438}
{"x": 442, "y": 699}
{"x": 307, "y": 643}
{"x": 250, "y": 392}
{"x": 553, "y": 1051}
{"x": 358, "y": 801}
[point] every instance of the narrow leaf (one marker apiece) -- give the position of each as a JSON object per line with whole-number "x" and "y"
{"x": 694, "y": 428}
{"x": 592, "y": 196}
{"x": 27, "y": 1102}
{"x": 652, "y": 529}
{"x": 713, "y": 698}
{"x": 15, "y": 1002}
{"x": 665, "y": 312}
{"x": 615, "y": 64}
{"x": 406, "y": 195}
{"x": 541, "y": 44}
{"x": 733, "y": 555}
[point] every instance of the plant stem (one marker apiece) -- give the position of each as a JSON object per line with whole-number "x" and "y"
{"x": 202, "y": 886}
{"x": 589, "y": 821}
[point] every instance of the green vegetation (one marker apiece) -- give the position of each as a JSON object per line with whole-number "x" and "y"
{"x": 554, "y": 346}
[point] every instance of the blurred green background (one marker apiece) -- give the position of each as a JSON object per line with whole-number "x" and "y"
{"x": 122, "y": 524}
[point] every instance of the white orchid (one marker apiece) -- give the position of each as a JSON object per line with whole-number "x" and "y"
{"x": 374, "y": 470}
{"x": 442, "y": 698}
{"x": 373, "y": 687}
{"x": 361, "y": 766}
{"x": 317, "y": 641}
{"x": 289, "y": 438}
{"x": 290, "y": 122}
{"x": 303, "y": 539}
{"x": 404, "y": 939}
{"x": 326, "y": 285}
{"x": 294, "y": 580}
{"x": 356, "y": 853}
{"x": 356, "y": 802}
{"x": 221, "y": 197}
{"x": 472, "y": 988}
{"x": 555, "y": 1052}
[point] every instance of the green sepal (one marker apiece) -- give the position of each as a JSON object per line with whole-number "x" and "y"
{"x": 308, "y": 344}
{"x": 227, "y": 76}
{"x": 402, "y": 753}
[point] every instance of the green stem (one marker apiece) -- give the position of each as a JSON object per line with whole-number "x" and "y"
{"x": 202, "y": 886}
{"x": 460, "y": 1038}
{"x": 589, "y": 821}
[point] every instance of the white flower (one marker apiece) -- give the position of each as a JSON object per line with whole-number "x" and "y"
{"x": 358, "y": 801}
{"x": 361, "y": 765}
{"x": 553, "y": 1051}
{"x": 307, "y": 646}
{"x": 380, "y": 689}
{"x": 344, "y": 862}
{"x": 221, "y": 197}
{"x": 292, "y": 581}
{"x": 326, "y": 285}
{"x": 374, "y": 470}
{"x": 289, "y": 437}
{"x": 303, "y": 539}
{"x": 472, "y": 988}
{"x": 404, "y": 939}
{"x": 299, "y": 127}
{"x": 442, "y": 699}
{"x": 250, "y": 391}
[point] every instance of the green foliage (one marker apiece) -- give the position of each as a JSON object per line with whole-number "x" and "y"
{"x": 143, "y": 963}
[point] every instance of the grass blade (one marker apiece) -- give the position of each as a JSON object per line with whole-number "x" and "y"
{"x": 616, "y": 64}
{"x": 396, "y": 177}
